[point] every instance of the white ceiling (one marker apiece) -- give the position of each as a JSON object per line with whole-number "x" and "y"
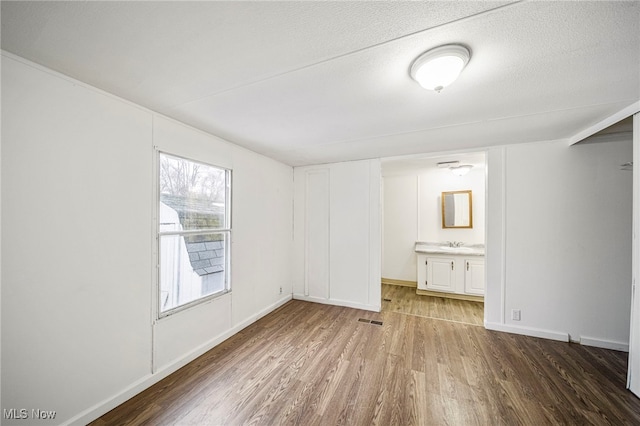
{"x": 315, "y": 82}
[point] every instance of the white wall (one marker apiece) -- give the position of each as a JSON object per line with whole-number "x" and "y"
{"x": 79, "y": 333}
{"x": 495, "y": 256}
{"x": 337, "y": 234}
{"x": 400, "y": 226}
{"x": 566, "y": 240}
{"x": 76, "y": 270}
{"x": 413, "y": 212}
{"x": 431, "y": 184}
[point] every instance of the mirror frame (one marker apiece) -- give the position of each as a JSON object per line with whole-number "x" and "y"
{"x": 444, "y": 226}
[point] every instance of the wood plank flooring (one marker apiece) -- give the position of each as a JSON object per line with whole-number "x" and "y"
{"x": 404, "y": 300}
{"x": 313, "y": 364}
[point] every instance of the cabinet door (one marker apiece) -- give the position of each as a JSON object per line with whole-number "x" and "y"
{"x": 474, "y": 276}
{"x": 440, "y": 274}
{"x": 421, "y": 273}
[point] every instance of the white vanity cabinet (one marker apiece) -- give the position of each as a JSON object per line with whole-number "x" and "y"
{"x": 457, "y": 274}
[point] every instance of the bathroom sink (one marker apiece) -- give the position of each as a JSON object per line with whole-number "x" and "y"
{"x": 435, "y": 248}
{"x": 458, "y": 249}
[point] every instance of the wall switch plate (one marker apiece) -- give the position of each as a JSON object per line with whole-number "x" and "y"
{"x": 515, "y": 314}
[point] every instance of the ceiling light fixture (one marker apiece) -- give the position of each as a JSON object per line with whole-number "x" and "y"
{"x": 461, "y": 170}
{"x": 437, "y": 68}
{"x": 447, "y": 164}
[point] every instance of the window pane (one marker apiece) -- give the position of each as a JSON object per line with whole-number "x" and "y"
{"x": 191, "y": 267}
{"x": 196, "y": 192}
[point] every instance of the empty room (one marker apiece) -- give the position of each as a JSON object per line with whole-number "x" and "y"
{"x": 319, "y": 212}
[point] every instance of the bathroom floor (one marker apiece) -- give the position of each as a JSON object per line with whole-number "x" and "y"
{"x": 404, "y": 300}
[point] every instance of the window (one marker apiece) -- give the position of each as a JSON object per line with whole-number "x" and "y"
{"x": 194, "y": 232}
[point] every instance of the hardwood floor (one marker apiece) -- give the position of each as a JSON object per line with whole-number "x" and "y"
{"x": 313, "y": 364}
{"x": 404, "y": 300}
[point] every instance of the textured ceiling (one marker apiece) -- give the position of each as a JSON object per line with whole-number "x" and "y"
{"x": 315, "y": 82}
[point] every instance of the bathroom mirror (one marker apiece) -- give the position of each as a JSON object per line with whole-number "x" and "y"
{"x": 456, "y": 209}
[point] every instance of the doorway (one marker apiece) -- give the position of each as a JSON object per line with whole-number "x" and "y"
{"x": 412, "y": 212}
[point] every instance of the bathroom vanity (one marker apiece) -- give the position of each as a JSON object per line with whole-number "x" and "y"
{"x": 450, "y": 271}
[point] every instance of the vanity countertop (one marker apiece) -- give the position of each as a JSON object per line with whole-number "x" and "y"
{"x": 443, "y": 248}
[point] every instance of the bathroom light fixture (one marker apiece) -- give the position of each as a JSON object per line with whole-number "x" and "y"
{"x": 461, "y": 170}
{"x": 437, "y": 68}
{"x": 447, "y": 164}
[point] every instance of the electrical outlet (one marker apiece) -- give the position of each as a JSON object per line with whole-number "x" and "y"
{"x": 280, "y": 289}
{"x": 515, "y": 314}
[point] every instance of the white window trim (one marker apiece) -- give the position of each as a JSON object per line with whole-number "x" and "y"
{"x": 157, "y": 234}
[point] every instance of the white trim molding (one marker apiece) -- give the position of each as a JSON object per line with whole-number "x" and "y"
{"x": 335, "y": 302}
{"x": 633, "y": 379}
{"x": 605, "y": 344}
{"x": 603, "y": 124}
{"x": 528, "y": 331}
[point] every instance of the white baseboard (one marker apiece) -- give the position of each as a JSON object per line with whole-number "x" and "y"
{"x": 147, "y": 381}
{"x": 527, "y": 331}
{"x": 336, "y": 302}
{"x": 605, "y": 344}
{"x": 555, "y": 335}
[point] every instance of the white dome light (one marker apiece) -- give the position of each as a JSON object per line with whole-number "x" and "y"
{"x": 439, "y": 67}
{"x": 461, "y": 170}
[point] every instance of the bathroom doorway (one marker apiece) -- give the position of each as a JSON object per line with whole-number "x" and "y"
{"x": 451, "y": 287}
